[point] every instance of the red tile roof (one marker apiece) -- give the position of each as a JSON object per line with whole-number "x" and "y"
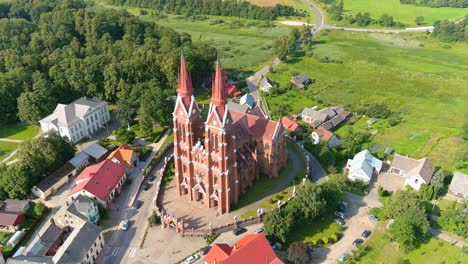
{"x": 258, "y": 127}
{"x": 289, "y": 124}
{"x": 99, "y": 179}
{"x": 124, "y": 155}
{"x": 252, "y": 248}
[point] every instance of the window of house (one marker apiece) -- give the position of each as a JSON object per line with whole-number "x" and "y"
{"x": 87, "y": 121}
{"x": 415, "y": 180}
{"x": 92, "y": 119}
{"x": 215, "y": 180}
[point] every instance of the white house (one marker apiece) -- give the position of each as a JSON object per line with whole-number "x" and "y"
{"x": 248, "y": 100}
{"x": 326, "y": 135}
{"x": 415, "y": 171}
{"x": 266, "y": 84}
{"x": 362, "y": 166}
{"x": 77, "y": 120}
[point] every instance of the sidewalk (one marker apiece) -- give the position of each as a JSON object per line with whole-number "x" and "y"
{"x": 447, "y": 237}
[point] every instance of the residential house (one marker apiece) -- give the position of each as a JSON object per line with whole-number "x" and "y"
{"x": 253, "y": 248}
{"x": 301, "y": 80}
{"x": 17, "y": 206}
{"x": 96, "y": 153}
{"x": 76, "y": 212}
{"x": 266, "y": 84}
{"x": 291, "y": 125}
{"x": 248, "y": 100}
{"x": 322, "y": 134}
{"x": 415, "y": 171}
{"x": 10, "y": 220}
{"x": 124, "y": 156}
{"x": 77, "y": 120}
{"x": 459, "y": 185}
{"x": 52, "y": 183}
{"x": 102, "y": 182}
{"x": 363, "y": 166}
{"x": 328, "y": 118}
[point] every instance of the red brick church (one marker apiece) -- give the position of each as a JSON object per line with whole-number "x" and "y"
{"x": 217, "y": 160}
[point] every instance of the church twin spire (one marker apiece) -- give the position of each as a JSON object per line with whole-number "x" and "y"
{"x": 184, "y": 89}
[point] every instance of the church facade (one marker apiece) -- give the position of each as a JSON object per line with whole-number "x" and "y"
{"x": 218, "y": 159}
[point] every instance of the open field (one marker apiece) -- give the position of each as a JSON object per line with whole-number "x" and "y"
{"x": 423, "y": 79}
{"x": 434, "y": 251}
{"x": 298, "y": 4}
{"x": 18, "y": 131}
{"x": 244, "y": 44}
{"x": 405, "y": 14}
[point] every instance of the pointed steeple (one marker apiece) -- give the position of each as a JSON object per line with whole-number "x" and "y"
{"x": 218, "y": 96}
{"x": 184, "y": 89}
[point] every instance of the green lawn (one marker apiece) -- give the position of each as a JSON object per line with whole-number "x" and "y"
{"x": 321, "y": 228}
{"x": 4, "y": 237}
{"x": 435, "y": 251}
{"x": 423, "y": 79}
{"x": 402, "y": 13}
{"x": 262, "y": 186}
{"x": 298, "y": 4}
{"x": 6, "y": 148}
{"x": 155, "y": 136}
{"x": 18, "y": 131}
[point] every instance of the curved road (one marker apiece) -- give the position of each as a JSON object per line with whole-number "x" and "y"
{"x": 320, "y": 20}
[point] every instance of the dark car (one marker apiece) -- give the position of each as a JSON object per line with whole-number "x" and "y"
{"x": 357, "y": 241}
{"x": 145, "y": 186}
{"x": 339, "y": 221}
{"x": 340, "y": 207}
{"x": 151, "y": 178}
{"x": 373, "y": 217}
{"x": 205, "y": 250}
{"x": 239, "y": 231}
{"x": 366, "y": 233}
{"x": 137, "y": 204}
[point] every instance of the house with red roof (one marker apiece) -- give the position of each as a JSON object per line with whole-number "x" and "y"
{"x": 125, "y": 156}
{"x": 291, "y": 125}
{"x": 102, "y": 181}
{"x": 253, "y": 248}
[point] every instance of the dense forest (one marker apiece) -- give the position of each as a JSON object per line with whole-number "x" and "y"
{"x": 450, "y": 31}
{"x": 437, "y": 3}
{"x": 55, "y": 51}
{"x": 233, "y": 8}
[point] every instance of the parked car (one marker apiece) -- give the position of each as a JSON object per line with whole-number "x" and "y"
{"x": 258, "y": 231}
{"x": 137, "y": 204}
{"x": 339, "y": 221}
{"x": 373, "y": 217}
{"x": 343, "y": 257}
{"x": 239, "y": 230}
{"x": 145, "y": 186}
{"x": 343, "y": 203}
{"x": 192, "y": 259}
{"x": 340, "y": 207}
{"x": 151, "y": 178}
{"x": 205, "y": 250}
{"x": 124, "y": 225}
{"x": 358, "y": 241}
{"x": 366, "y": 233}
{"x": 340, "y": 214}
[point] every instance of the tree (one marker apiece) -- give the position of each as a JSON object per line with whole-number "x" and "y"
{"x": 410, "y": 229}
{"x": 381, "y": 191}
{"x": 400, "y": 202}
{"x": 386, "y": 20}
{"x": 298, "y": 253}
{"x": 438, "y": 180}
{"x": 377, "y": 110}
{"x": 15, "y": 182}
{"x": 419, "y": 20}
{"x": 310, "y": 201}
{"x": 428, "y": 192}
{"x": 277, "y": 224}
{"x": 124, "y": 136}
{"x": 454, "y": 219}
{"x": 363, "y": 20}
{"x": 284, "y": 46}
{"x": 332, "y": 190}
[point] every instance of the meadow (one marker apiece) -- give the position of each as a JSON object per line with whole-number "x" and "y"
{"x": 423, "y": 79}
{"x": 383, "y": 250}
{"x": 298, "y": 4}
{"x": 405, "y": 14}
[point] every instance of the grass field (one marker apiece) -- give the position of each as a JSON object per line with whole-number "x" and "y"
{"x": 434, "y": 251}
{"x": 298, "y": 4}
{"x": 6, "y": 148}
{"x": 155, "y": 136}
{"x": 321, "y": 228}
{"x": 421, "y": 78}
{"x": 405, "y": 14}
{"x": 245, "y": 48}
{"x": 18, "y": 131}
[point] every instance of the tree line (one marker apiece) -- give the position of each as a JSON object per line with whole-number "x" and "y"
{"x": 232, "y": 8}
{"x": 451, "y": 31}
{"x": 57, "y": 51}
{"x": 437, "y": 3}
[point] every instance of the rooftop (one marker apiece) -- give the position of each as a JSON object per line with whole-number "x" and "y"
{"x": 96, "y": 151}
{"x": 413, "y": 167}
{"x": 289, "y": 124}
{"x": 55, "y": 177}
{"x": 14, "y": 205}
{"x": 459, "y": 183}
{"x": 123, "y": 155}
{"x": 79, "y": 159}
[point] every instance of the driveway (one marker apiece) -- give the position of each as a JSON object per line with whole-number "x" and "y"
{"x": 357, "y": 220}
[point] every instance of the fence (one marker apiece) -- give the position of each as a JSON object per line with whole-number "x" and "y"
{"x": 202, "y": 232}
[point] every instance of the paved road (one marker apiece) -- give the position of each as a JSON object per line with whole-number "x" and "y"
{"x": 317, "y": 173}
{"x": 320, "y": 19}
{"x": 447, "y": 237}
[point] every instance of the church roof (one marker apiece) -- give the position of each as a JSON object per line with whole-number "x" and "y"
{"x": 257, "y": 126}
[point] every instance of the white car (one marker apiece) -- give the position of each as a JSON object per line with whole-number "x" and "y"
{"x": 124, "y": 225}
{"x": 192, "y": 259}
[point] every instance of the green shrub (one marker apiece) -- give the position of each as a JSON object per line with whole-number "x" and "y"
{"x": 377, "y": 211}
{"x": 154, "y": 219}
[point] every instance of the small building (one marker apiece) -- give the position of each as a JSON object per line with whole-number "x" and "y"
{"x": 96, "y": 153}
{"x": 76, "y": 212}
{"x": 21, "y": 259}
{"x": 415, "y": 171}
{"x": 291, "y": 125}
{"x": 10, "y": 220}
{"x": 17, "y": 206}
{"x": 52, "y": 183}
{"x": 253, "y": 248}
{"x": 125, "y": 156}
{"x": 328, "y": 118}
{"x": 102, "y": 182}
{"x": 77, "y": 120}
{"x": 459, "y": 185}
{"x": 363, "y": 166}
{"x": 322, "y": 134}
{"x": 238, "y": 107}
{"x": 80, "y": 161}
{"x": 247, "y": 100}
{"x": 266, "y": 84}
{"x": 301, "y": 80}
